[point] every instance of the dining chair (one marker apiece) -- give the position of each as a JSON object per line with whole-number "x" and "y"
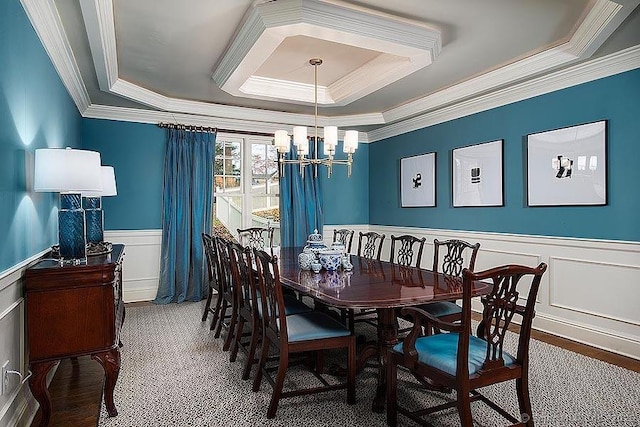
{"x": 450, "y": 263}
{"x": 464, "y": 362}
{"x": 211, "y": 261}
{"x": 249, "y": 306}
{"x": 370, "y": 245}
{"x": 229, "y": 297}
{"x": 344, "y": 236}
{"x": 311, "y": 331}
{"x": 247, "y": 302}
{"x": 409, "y": 251}
{"x": 256, "y": 237}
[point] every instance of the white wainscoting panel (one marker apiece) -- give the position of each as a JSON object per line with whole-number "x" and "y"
{"x": 141, "y": 267}
{"x": 589, "y": 294}
{"x": 17, "y": 406}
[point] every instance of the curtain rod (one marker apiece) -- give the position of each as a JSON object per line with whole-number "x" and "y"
{"x": 192, "y": 128}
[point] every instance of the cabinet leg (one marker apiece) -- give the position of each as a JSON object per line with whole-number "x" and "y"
{"x": 110, "y": 361}
{"x": 38, "y": 386}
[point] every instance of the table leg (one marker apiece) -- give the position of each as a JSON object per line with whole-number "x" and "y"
{"x": 38, "y": 386}
{"x": 110, "y": 361}
{"x": 387, "y": 338}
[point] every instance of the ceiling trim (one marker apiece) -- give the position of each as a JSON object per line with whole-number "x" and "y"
{"x": 284, "y": 89}
{"x": 404, "y": 47}
{"x": 598, "y": 18}
{"x": 136, "y": 115}
{"x": 452, "y": 103}
{"x": 99, "y": 14}
{"x": 47, "y": 24}
{"x": 619, "y": 62}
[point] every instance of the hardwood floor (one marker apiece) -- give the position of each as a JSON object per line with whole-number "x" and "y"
{"x": 76, "y": 389}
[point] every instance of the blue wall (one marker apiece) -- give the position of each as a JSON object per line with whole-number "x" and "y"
{"x": 616, "y": 99}
{"x": 136, "y": 151}
{"x": 35, "y": 112}
{"x": 346, "y": 200}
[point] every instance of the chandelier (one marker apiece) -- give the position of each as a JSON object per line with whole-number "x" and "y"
{"x": 282, "y": 141}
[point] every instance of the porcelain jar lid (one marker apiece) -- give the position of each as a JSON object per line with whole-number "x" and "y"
{"x": 315, "y": 237}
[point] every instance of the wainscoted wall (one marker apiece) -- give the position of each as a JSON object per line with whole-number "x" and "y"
{"x": 589, "y": 294}
{"x": 17, "y": 406}
{"x": 141, "y": 268}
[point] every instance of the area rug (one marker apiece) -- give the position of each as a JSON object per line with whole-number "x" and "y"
{"x": 174, "y": 373}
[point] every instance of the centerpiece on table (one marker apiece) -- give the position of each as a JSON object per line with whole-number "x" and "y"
{"x": 316, "y": 255}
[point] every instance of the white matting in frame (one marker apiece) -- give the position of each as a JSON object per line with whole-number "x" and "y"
{"x": 568, "y": 166}
{"x": 418, "y": 181}
{"x": 477, "y": 175}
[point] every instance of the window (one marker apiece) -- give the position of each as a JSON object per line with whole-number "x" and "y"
{"x": 247, "y": 187}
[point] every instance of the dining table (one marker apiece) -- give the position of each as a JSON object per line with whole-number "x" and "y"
{"x": 373, "y": 284}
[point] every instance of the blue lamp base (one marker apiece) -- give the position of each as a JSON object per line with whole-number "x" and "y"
{"x": 94, "y": 217}
{"x": 71, "y": 229}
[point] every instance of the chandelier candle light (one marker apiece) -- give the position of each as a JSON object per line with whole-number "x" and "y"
{"x": 330, "y": 141}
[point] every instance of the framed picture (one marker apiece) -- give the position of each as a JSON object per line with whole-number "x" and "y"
{"x": 568, "y": 166}
{"x": 477, "y": 175}
{"x": 418, "y": 181}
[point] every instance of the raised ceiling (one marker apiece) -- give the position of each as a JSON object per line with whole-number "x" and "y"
{"x": 245, "y": 63}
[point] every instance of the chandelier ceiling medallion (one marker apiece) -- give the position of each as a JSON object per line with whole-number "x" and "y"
{"x": 329, "y": 141}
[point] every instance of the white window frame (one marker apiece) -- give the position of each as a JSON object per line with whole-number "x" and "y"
{"x": 247, "y": 195}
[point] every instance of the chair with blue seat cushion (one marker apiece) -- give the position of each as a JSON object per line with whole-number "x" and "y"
{"x": 249, "y": 306}
{"x": 228, "y": 291}
{"x": 211, "y": 261}
{"x": 297, "y": 333}
{"x": 459, "y": 255}
{"x": 406, "y": 250}
{"x": 256, "y": 237}
{"x": 463, "y": 362}
{"x": 344, "y": 236}
{"x": 369, "y": 247}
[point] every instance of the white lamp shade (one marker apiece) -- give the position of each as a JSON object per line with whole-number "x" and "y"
{"x": 281, "y": 141}
{"x": 67, "y": 170}
{"x": 350, "y": 141}
{"x": 330, "y": 139}
{"x": 300, "y": 136}
{"x": 108, "y": 184}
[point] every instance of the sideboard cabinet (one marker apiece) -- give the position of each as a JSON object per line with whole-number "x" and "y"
{"x": 74, "y": 310}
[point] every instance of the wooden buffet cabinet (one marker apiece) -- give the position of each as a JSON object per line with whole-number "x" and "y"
{"x": 74, "y": 311}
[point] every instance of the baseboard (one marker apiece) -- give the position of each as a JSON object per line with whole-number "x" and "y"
{"x": 585, "y": 334}
{"x": 138, "y": 295}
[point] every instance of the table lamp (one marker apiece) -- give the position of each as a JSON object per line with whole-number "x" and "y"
{"x": 94, "y": 215}
{"x": 69, "y": 172}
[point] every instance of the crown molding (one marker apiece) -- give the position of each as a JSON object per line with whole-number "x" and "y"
{"x": 585, "y": 39}
{"x": 403, "y": 46}
{"x": 285, "y": 90}
{"x": 596, "y": 27}
{"x": 98, "y": 16}
{"x": 433, "y": 109}
{"x": 619, "y": 62}
{"x": 47, "y": 24}
{"x": 107, "y": 112}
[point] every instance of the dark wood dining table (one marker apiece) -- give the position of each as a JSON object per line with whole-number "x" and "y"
{"x": 378, "y": 285}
